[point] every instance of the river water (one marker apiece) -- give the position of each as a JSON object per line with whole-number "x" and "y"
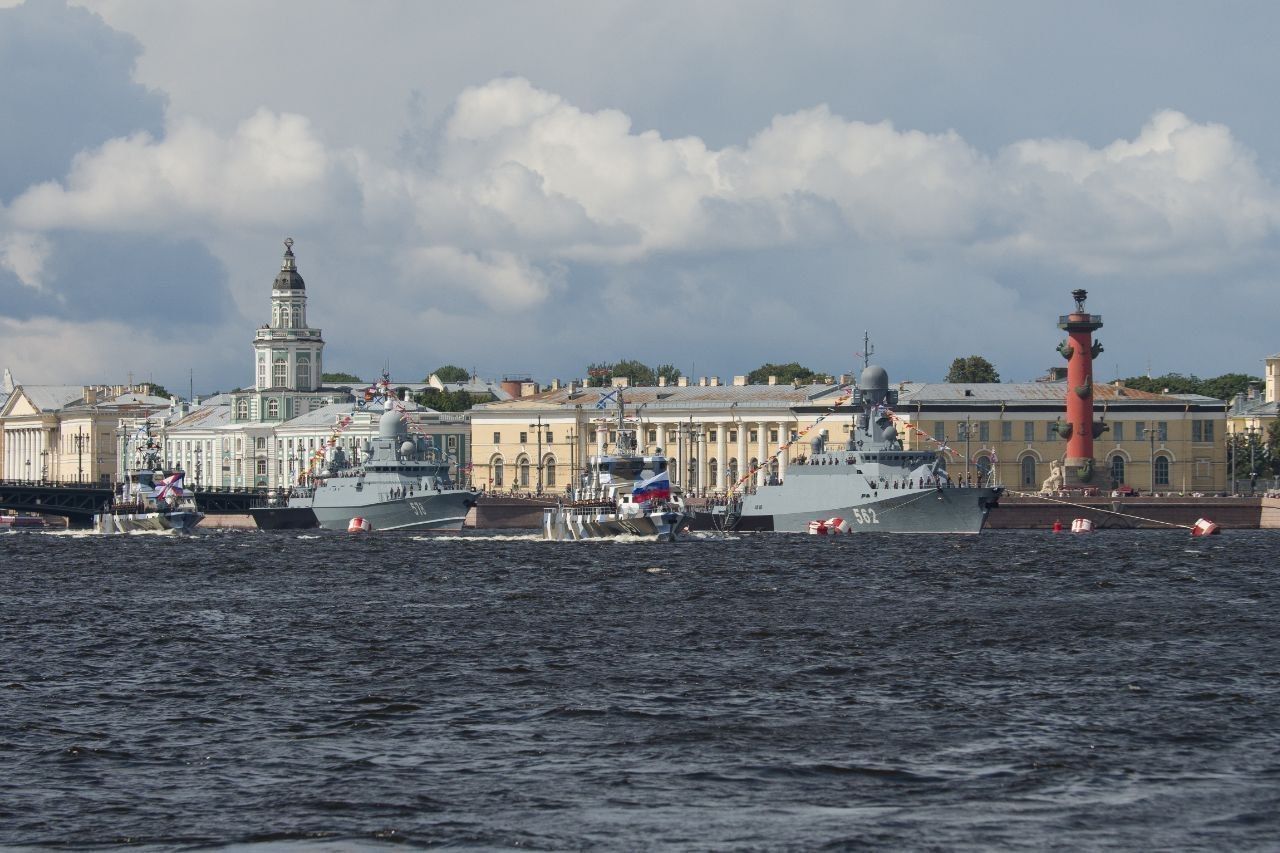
{"x": 284, "y": 691}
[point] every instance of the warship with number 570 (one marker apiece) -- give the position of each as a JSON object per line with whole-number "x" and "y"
{"x": 872, "y": 483}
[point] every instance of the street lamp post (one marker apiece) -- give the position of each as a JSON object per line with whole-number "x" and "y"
{"x": 538, "y": 426}
{"x": 44, "y": 466}
{"x": 198, "y": 455}
{"x": 1231, "y": 463}
{"x": 79, "y": 454}
{"x": 1253, "y": 465}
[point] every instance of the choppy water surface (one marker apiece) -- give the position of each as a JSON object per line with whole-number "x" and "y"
{"x": 770, "y": 692}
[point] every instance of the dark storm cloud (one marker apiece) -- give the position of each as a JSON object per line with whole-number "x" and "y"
{"x": 153, "y": 282}
{"x": 65, "y": 85}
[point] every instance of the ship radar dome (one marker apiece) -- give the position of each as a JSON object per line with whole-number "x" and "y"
{"x": 874, "y": 378}
{"x": 389, "y": 424}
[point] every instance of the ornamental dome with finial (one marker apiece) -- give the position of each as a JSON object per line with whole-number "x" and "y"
{"x": 289, "y": 278}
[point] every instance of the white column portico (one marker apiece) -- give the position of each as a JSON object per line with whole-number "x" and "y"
{"x": 722, "y": 455}
{"x": 761, "y": 452}
{"x": 704, "y": 467}
{"x": 742, "y": 449}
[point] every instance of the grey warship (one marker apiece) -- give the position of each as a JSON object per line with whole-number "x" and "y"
{"x": 400, "y": 485}
{"x": 872, "y": 482}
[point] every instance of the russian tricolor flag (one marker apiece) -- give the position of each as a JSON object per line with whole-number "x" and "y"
{"x": 656, "y": 488}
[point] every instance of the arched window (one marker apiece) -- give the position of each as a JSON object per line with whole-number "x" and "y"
{"x": 273, "y": 409}
{"x": 1162, "y": 470}
{"x": 985, "y": 465}
{"x": 1117, "y": 469}
{"x": 733, "y": 473}
{"x": 522, "y": 465}
{"x": 280, "y": 374}
{"x": 284, "y": 317}
{"x": 713, "y": 473}
{"x": 242, "y": 410}
{"x": 1029, "y": 471}
{"x": 304, "y": 375}
{"x": 497, "y": 468}
{"x": 549, "y": 471}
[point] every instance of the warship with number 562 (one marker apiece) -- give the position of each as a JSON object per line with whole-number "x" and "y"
{"x": 871, "y": 483}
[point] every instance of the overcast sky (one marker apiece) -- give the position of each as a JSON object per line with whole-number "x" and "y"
{"x": 525, "y": 188}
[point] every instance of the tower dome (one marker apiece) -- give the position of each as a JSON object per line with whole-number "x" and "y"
{"x": 289, "y": 278}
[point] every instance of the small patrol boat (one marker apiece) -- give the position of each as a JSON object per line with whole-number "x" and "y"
{"x": 149, "y": 498}
{"x": 624, "y": 493}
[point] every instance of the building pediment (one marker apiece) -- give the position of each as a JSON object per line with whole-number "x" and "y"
{"x": 18, "y": 405}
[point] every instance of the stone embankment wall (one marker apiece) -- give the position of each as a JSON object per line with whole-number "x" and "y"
{"x": 1142, "y": 513}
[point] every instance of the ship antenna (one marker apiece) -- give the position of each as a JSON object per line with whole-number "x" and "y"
{"x": 867, "y": 349}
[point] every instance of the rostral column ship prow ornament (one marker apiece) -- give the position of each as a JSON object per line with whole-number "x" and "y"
{"x": 1079, "y": 429}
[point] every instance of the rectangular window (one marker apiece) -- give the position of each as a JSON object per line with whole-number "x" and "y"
{"x": 497, "y": 438}
{"x": 652, "y": 436}
{"x": 984, "y": 431}
{"x": 550, "y": 439}
{"x": 1197, "y": 433}
{"x": 1203, "y": 469}
{"x": 1049, "y": 434}
{"x": 524, "y": 438}
{"x": 962, "y": 430}
{"x": 753, "y": 436}
{"x": 1140, "y": 431}
{"x": 939, "y": 431}
{"x": 1006, "y": 430}
{"x": 733, "y": 435}
{"x": 1208, "y": 430}
{"x": 453, "y": 442}
{"x": 1163, "y": 430}
{"x": 713, "y": 435}
{"x": 1117, "y": 430}
{"x": 773, "y": 436}
{"x": 1028, "y": 431}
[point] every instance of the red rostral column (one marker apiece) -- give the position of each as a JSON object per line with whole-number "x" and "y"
{"x": 1079, "y": 349}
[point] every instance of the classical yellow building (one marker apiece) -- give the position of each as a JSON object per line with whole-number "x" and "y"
{"x": 70, "y": 433}
{"x": 719, "y": 435}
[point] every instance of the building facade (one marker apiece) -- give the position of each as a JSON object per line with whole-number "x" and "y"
{"x": 717, "y": 435}
{"x": 71, "y": 433}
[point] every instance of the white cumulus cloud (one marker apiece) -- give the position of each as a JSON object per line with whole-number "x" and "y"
{"x": 271, "y": 168}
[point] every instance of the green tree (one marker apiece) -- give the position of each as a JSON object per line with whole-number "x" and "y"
{"x": 1222, "y": 387}
{"x": 636, "y": 372}
{"x": 159, "y": 391}
{"x": 786, "y": 373}
{"x": 444, "y": 401}
{"x": 668, "y": 372}
{"x": 451, "y": 373}
{"x": 340, "y": 377}
{"x": 975, "y": 368}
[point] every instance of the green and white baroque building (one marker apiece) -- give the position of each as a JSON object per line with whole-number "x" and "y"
{"x": 264, "y": 437}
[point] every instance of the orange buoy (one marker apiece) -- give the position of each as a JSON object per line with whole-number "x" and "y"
{"x": 359, "y": 525}
{"x": 1057, "y": 526}
{"x": 1204, "y": 527}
